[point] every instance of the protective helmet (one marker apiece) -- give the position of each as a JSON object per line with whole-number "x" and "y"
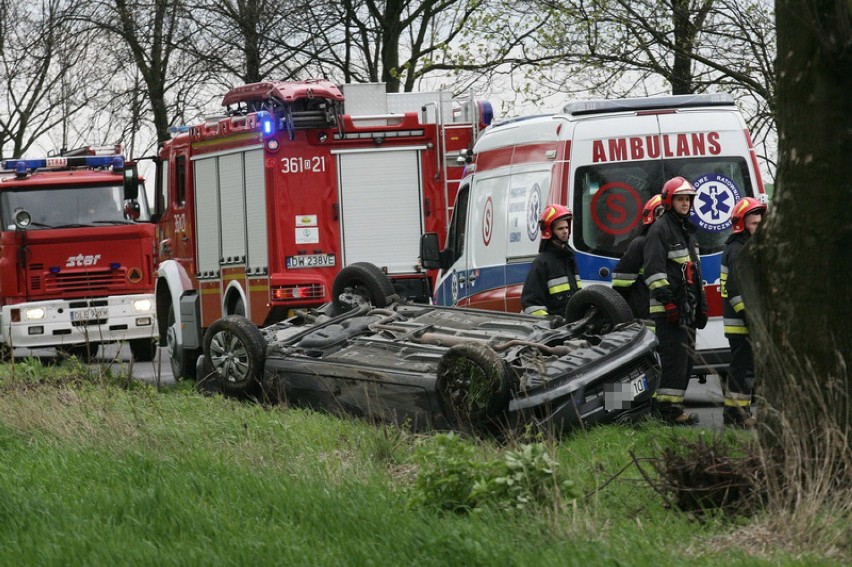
{"x": 743, "y": 208}
{"x": 550, "y": 215}
{"x": 676, "y": 186}
{"x": 652, "y": 210}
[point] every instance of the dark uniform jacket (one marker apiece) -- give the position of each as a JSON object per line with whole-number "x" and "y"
{"x": 670, "y": 247}
{"x": 551, "y": 281}
{"x": 733, "y": 308}
{"x": 627, "y": 278}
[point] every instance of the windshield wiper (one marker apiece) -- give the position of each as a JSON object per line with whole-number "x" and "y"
{"x": 111, "y": 221}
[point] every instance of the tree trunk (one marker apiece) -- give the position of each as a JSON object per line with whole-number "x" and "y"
{"x": 798, "y": 269}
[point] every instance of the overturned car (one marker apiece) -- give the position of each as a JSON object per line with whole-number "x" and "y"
{"x": 371, "y": 355}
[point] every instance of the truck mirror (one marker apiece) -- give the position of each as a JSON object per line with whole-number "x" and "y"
{"x": 430, "y": 254}
{"x": 132, "y": 210}
{"x": 131, "y": 181}
{"x": 22, "y": 219}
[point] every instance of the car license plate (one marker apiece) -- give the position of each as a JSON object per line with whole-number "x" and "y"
{"x": 311, "y": 261}
{"x": 90, "y": 314}
{"x": 638, "y": 385}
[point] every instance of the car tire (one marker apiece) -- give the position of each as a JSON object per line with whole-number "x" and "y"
{"x": 143, "y": 350}
{"x": 602, "y": 306}
{"x": 181, "y": 360}
{"x": 364, "y": 283}
{"x": 473, "y": 387}
{"x": 85, "y": 352}
{"x": 236, "y": 351}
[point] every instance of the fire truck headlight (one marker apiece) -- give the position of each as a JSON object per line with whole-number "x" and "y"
{"x": 34, "y": 314}
{"x": 142, "y": 305}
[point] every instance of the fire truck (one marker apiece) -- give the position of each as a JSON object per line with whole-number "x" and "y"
{"x": 77, "y": 254}
{"x": 261, "y": 207}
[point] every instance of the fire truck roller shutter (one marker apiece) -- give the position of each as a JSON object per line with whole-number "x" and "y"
{"x": 232, "y": 214}
{"x": 208, "y": 231}
{"x": 381, "y": 212}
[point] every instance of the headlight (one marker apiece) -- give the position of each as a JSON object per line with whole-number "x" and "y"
{"x": 142, "y": 305}
{"x": 34, "y": 314}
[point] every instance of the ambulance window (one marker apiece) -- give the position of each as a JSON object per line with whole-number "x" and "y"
{"x": 608, "y": 202}
{"x": 455, "y": 238}
{"x": 721, "y": 182}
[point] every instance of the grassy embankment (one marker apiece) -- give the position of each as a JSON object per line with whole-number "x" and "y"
{"x": 95, "y": 470}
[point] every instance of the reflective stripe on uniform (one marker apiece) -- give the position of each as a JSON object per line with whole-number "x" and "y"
{"x": 737, "y": 303}
{"x": 737, "y": 400}
{"x": 537, "y": 310}
{"x": 679, "y": 255}
{"x": 561, "y": 285}
{"x": 657, "y": 280}
{"x": 669, "y": 395}
{"x": 623, "y": 280}
{"x": 735, "y": 326}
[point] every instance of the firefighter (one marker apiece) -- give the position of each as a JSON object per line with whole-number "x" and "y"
{"x": 553, "y": 277}
{"x": 626, "y": 276}
{"x": 747, "y": 215}
{"x": 672, "y": 271}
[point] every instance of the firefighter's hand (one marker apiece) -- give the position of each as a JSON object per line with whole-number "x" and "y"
{"x": 701, "y": 320}
{"x": 557, "y": 321}
{"x": 672, "y": 313}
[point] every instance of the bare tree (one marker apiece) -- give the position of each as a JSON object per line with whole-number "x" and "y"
{"x": 799, "y": 265}
{"x": 41, "y": 57}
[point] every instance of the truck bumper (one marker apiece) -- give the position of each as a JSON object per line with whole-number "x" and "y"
{"x": 42, "y": 324}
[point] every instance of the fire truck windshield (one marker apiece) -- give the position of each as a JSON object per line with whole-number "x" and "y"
{"x": 68, "y": 207}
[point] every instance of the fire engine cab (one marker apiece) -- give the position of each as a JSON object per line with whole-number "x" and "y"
{"x": 261, "y": 207}
{"x": 603, "y": 159}
{"x": 76, "y": 254}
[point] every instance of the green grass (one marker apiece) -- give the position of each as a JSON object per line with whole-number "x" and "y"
{"x": 98, "y": 471}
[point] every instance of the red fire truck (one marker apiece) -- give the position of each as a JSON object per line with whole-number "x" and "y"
{"x": 261, "y": 207}
{"x": 76, "y": 254}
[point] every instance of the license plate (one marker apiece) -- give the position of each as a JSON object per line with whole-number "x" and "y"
{"x": 311, "y": 261}
{"x": 89, "y": 314}
{"x": 638, "y": 385}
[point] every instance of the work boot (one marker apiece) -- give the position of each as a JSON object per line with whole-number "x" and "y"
{"x": 673, "y": 414}
{"x": 739, "y": 417}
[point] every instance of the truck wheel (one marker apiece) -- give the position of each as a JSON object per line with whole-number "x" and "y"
{"x": 85, "y": 352}
{"x": 600, "y": 307}
{"x": 143, "y": 350}
{"x": 473, "y": 386}
{"x": 236, "y": 350}
{"x": 361, "y": 283}
{"x": 181, "y": 360}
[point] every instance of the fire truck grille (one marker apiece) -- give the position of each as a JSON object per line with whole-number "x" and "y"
{"x": 70, "y": 282}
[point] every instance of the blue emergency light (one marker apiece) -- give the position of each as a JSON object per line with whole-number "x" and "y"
{"x": 19, "y": 165}
{"x": 267, "y": 123}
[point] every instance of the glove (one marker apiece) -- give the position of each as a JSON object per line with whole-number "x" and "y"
{"x": 672, "y": 313}
{"x": 701, "y": 320}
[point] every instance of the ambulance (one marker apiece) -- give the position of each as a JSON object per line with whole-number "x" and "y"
{"x": 602, "y": 159}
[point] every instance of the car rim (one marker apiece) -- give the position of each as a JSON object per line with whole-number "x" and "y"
{"x": 229, "y": 357}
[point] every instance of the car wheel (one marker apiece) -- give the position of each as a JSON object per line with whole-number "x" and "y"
{"x": 143, "y": 350}
{"x": 85, "y": 352}
{"x": 600, "y": 307}
{"x": 473, "y": 386}
{"x": 236, "y": 350}
{"x": 361, "y": 283}
{"x": 181, "y": 360}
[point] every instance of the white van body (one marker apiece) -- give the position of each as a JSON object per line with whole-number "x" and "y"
{"x": 602, "y": 159}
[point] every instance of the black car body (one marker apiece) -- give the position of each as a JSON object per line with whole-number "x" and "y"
{"x": 446, "y": 367}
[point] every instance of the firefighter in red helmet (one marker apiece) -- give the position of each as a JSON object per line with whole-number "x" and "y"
{"x": 553, "y": 277}
{"x": 672, "y": 271}
{"x": 626, "y": 275}
{"x": 746, "y": 217}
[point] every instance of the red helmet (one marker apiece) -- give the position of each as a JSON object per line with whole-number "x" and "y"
{"x": 743, "y": 208}
{"x": 652, "y": 210}
{"x": 676, "y": 186}
{"x": 550, "y": 215}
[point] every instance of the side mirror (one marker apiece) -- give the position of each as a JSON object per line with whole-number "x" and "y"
{"x": 22, "y": 219}
{"x": 131, "y": 181}
{"x": 132, "y": 210}
{"x": 430, "y": 254}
